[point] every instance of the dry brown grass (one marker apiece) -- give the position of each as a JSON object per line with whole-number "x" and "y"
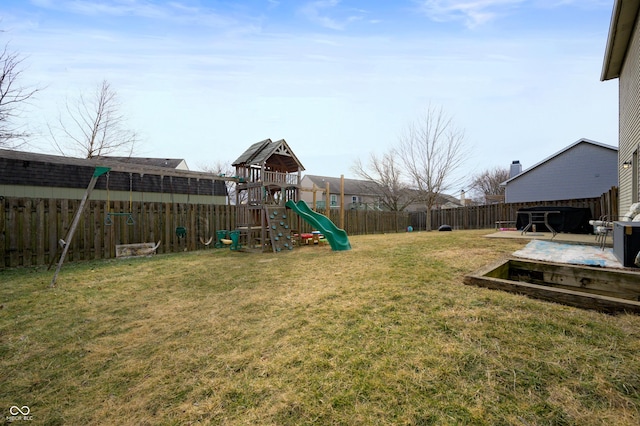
{"x": 383, "y": 334}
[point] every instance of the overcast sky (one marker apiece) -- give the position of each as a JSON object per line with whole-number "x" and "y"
{"x": 203, "y": 80}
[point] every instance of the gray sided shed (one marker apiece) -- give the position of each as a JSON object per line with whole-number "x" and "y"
{"x": 33, "y": 175}
{"x": 584, "y": 169}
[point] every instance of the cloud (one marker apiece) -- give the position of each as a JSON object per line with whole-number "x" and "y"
{"x": 317, "y": 12}
{"x": 474, "y": 13}
{"x": 173, "y": 11}
{"x": 313, "y": 12}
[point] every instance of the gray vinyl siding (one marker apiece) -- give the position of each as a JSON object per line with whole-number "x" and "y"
{"x": 629, "y": 131}
{"x": 583, "y": 171}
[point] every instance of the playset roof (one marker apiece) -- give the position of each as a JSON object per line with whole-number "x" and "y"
{"x": 276, "y": 155}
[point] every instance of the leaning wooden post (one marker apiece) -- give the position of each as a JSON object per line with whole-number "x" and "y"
{"x": 99, "y": 171}
{"x": 315, "y": 191}
{"x": 341, "y": 201}
{"x": 327, "y": 199}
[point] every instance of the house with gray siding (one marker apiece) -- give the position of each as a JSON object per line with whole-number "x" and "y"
{"x": 358, "y": 194}
{"x": 364, "y": 195}
{"x": 584, "y": 169}
{"x": 622, "y": 62}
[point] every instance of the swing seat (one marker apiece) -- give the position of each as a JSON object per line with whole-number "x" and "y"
{"x": 181, "y": 232}
{"x": 109, "y": 221}
{"x": 206, "y": 243}
{"x": 235, "y": 240}
{"x": 222, "y": 234}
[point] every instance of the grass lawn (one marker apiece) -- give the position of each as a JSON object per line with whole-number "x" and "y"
{"x": 385, "y": 333}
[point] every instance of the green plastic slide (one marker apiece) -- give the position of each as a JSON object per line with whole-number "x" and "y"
{"x": 337, "y": 237}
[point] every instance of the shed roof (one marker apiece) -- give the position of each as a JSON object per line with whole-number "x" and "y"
{"x": 562, "y": 151}
{"x": 171, "y": 163}
{"x": 623, "y": 20}
{"x": 277, "y": 154}
{"x": 115, "y": 165}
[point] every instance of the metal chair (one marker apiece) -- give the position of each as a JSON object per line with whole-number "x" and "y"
{"x": 602, "y": 228}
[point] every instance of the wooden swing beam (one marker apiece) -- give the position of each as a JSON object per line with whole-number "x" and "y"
{"x": 99, "y": 171}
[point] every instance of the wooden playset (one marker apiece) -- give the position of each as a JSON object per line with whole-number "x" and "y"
{"x": 269, "y": 174}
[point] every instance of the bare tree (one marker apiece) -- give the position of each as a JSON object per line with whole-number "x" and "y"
{"x": 486, "y": 185}
{"x": 386, "y": 174}
{"x": 431, "y": 149}
{"x": 221, "y": 168}
{"x": 94, "y": 126}
{"x": 13, "y": 97}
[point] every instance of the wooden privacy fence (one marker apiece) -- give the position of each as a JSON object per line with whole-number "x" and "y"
{"x": 31, "y": 229}
{"x": 486, "y": 216}
{"x": 361, "y": 222}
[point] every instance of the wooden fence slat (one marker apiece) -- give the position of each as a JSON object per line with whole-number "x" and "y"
{"x": 40, "y": 232}
{"x": 168, "y": 227}
{"x": 52, "y": 228}
{"x": 13, "y": 233}
{"x": 109, "y": 245}
{"x": 96, "y": 218}
{"x": 85, "y": 228}
{"x": 26, "y": 245}
{"x": 63, "y": 224}
{"x": 3, "y": 232}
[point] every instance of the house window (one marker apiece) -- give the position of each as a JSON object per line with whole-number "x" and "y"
{"x": 354, "y": 199}
{"x": 334, "y": 200}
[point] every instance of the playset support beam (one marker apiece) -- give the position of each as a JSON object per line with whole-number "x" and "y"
{"x": 99, "y": 171}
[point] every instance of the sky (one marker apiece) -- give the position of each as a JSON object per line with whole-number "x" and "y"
{"x": 337, "y": 79}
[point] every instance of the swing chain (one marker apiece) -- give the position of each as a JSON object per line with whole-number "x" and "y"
{"x": 108, "y": 217}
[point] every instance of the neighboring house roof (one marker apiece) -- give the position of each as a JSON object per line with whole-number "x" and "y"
{"x": 277, "y": 153}
{"x": 441, "y": 199}
{"x": 445, "y": 198}
{"x": 623, "y": 19}
{"x": 579, "y": 141}
{"x": 351, "y": 186}
{"x": 172, "y": 163}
